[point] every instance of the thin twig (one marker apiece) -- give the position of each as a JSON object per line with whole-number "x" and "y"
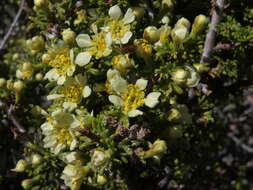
{"x": 8, "y": 34}
{"x": 211, "y": 35}
{"x": 228, "y": 46}
{"x": 10, "y": 110}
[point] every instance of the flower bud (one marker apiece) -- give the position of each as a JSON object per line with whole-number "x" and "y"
{"x": 27, "y": 183}
{"x": 20, "y": 166}
{"x": 122, "y": 63}
{"x": 199, "y": 25}
{"x": 180, "y": 76}
{"x": 9, "y": 84}
{"x": 179, "y": 34}
{"x": 157, "y": 148}
{"x": 183, "y": 21}
{"x": 68, "y": 35}
{"x": 37, "y": 43}
{"x": 2, "y": 82}
{"x": 100, "y": 157}
{"x": 27, "y": 66}
{"x": 40, "y": 3}
{"x": 101, "y": 179}
{"x": 18, "y": 86}
{"x": 138, "y": 12}
{"x": 45, "y": 58}
{"x": 81, "y": 17}
{"x": 36, "y": 159}
{"x": 200, "y": 67}
{"x": 165, "y": 20}
{"x": 174, "y": 115}
{"x": 193, "y": 78}
{"x": 15, "y": 56}
{"x": 164, "y": 33}
{"x": 151, "y": 33}
{"x": 167, "y": 4}
{"x": 39, "y": 77}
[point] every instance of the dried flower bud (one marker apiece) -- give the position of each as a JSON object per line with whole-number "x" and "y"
{"x": 151, "y": 33}
{"x": 68, "y": 35}
{"x": 20, "y": 166}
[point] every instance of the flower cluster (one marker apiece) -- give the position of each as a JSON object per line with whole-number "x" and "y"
{"x": 109, "y": 70}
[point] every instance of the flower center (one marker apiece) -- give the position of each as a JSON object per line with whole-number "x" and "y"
{"x": 118, "y": 29}
{"x": 147, "y": 48}
{"x": 132, "y": 98}
{"x": 63, "y": 134}
{"x": 72, "y": 93}
{"x": 61, "y": 62}
{"x": 98, "y": 45}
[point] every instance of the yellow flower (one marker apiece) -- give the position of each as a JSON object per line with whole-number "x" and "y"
{"x": 119, "y": 27}
{"x": 99, "y": 46}
{"x": 58, "y": 131}
{"x": 73, "y": 175}
{"x": 60, "y": 58}
{"x": 72, "y": 91}
{"x": 131, "y": 96}
{"x": 26, "y": 71}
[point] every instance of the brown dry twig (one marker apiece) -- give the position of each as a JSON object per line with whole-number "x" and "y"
{"x": 228, "y": 46}
{"x": 13, "y": 24}
{"x": 219, "y": 5}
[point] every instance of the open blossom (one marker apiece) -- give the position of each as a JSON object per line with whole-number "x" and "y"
{"x": 73, "y": 175}
{"x": 119, "y": 26}
{"x": 58, "y": 131}
{"x": 131, "y": 96}
{"x": 98, "y": 46}
{"x": 60, "y": 58}
{"x": 72, "y": 91}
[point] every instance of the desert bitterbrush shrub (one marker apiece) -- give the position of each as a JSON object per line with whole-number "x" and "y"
{"x": 112, "y": 94}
